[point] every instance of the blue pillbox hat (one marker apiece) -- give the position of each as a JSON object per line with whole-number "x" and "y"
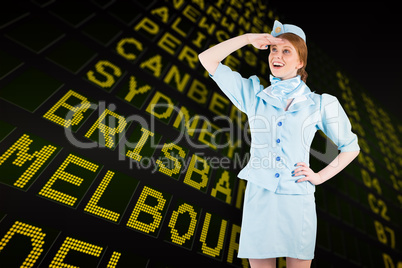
{"x": 280, "y": 28}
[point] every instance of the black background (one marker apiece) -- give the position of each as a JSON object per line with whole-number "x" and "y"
{"x": 363, "y": 37}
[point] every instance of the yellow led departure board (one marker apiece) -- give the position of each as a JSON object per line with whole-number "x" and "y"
{"x": 118, "y": 150}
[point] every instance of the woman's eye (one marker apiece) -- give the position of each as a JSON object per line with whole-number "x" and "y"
{"x": 286, "y": 51}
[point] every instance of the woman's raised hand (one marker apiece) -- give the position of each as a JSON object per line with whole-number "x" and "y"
{"x": 211, "y": 57}
{"x": 263, "y": 40}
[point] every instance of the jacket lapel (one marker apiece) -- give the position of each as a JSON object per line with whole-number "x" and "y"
{"x": 298, "y": 103}
{"x": 301, "y": 102}
{"x": 271, "y": 100}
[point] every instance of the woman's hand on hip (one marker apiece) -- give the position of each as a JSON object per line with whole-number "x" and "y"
{"x": 310, "y": 175}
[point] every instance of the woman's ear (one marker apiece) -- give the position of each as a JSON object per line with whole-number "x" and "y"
{"x": 300, "y": 65}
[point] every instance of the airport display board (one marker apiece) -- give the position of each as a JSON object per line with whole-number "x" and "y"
{"x": 118, "y": 150}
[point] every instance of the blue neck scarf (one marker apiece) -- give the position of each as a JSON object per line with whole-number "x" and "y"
{"x": 287, "y": 89}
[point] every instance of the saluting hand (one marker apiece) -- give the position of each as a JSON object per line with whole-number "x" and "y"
{"x": 309, "y": 174}
{"x": 263, "y": 40}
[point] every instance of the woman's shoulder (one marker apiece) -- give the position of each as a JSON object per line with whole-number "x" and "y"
{"x": 323, "y": 98}
{"x": 225, "y": 73}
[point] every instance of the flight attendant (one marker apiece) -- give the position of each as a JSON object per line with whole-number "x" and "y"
{"x": 279, "y": 215}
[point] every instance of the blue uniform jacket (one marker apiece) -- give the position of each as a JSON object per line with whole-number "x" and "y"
{"x": 279, "y": 138}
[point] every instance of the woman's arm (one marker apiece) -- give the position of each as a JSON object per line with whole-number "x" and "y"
{"x": 211, "y": 57}
{"x": 333, "y": 168}
{"x": 338, "y": 164}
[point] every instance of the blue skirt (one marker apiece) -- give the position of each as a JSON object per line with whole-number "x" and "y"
{"x": 277, "y": 225}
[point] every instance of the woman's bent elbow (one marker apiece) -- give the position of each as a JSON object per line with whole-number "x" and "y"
{"x": 201, "y": 58}
{"x": 209, "y": 65}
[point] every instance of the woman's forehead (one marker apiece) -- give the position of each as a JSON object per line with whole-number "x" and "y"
{"x": 286, "y": 44}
